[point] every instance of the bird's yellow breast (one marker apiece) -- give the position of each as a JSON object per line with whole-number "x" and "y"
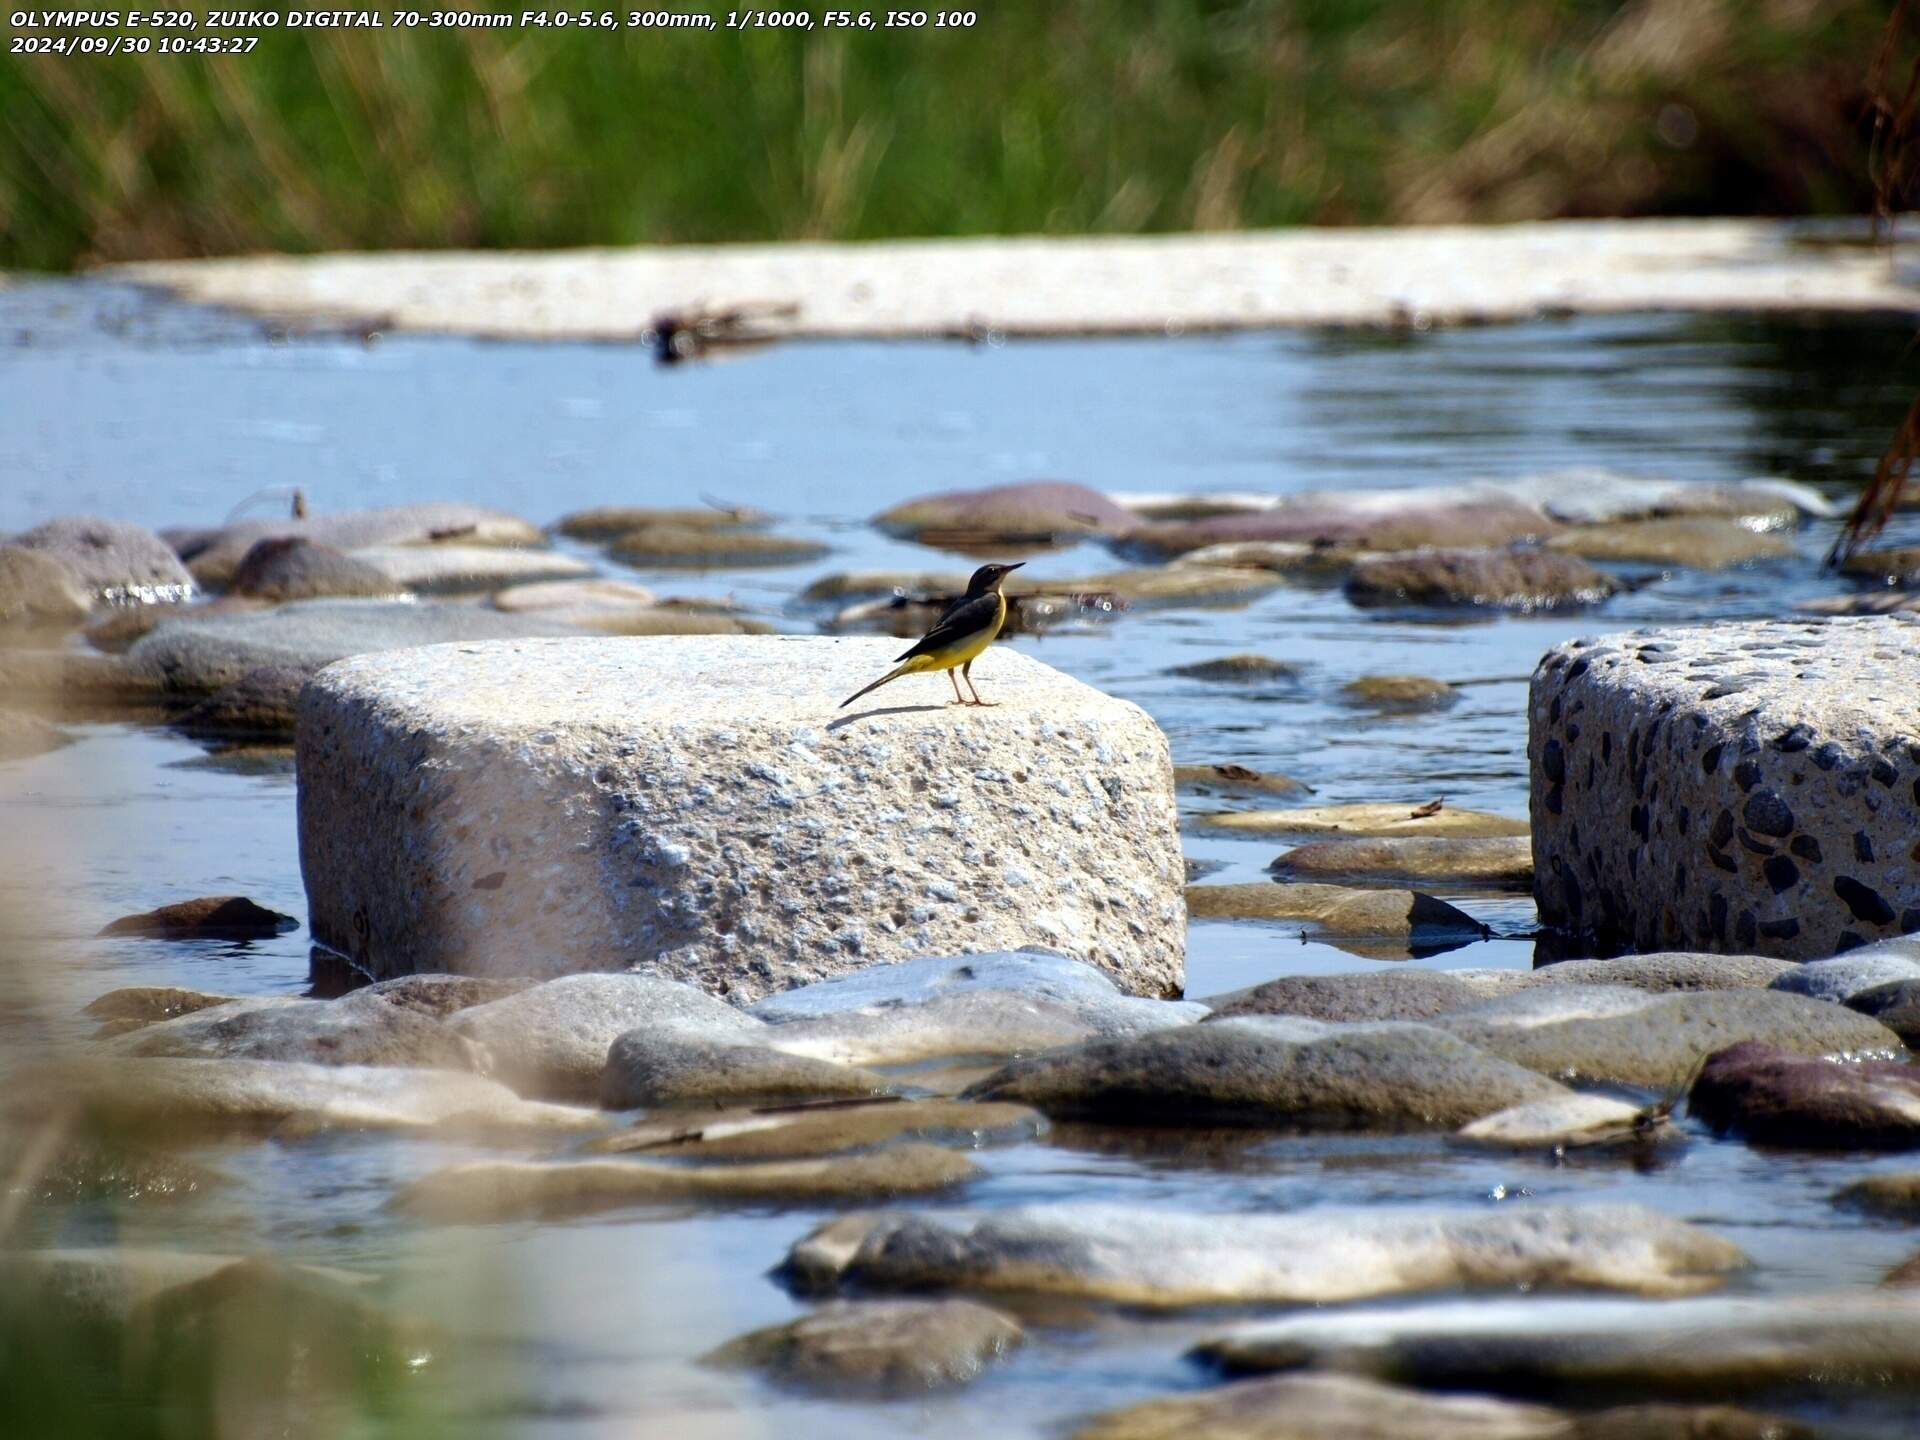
{"x": 965, "y": 647}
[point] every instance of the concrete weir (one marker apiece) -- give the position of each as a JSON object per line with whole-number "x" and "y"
{"x": 699, "y": 807}
{"x": 1750, "y": 787}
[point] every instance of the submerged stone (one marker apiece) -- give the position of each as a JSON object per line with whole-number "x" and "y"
{"x": 1505, "y": 861}
{"x": 1518, "y": 579}
{"x": 1399, "y": 692}
{"x": 798, "y": 1131}
{"x": 890, "y": 1346}
{"x": 1337, "y": 909}
{"x": 1692, "y": 542}
{"x": 221, "y": 916}
{"x": 1239, "y": 670}
{"x": 1567, "y": 1122}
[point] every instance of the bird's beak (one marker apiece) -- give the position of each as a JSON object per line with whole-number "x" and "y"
{"x": 1016, "y": 565}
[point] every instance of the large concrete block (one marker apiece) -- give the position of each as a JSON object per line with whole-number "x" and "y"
{"x": 1750, "y": 787}
{"x": 698, "y": 806}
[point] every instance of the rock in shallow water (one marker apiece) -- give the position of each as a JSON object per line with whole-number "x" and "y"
{"x": 1236, "y": 780}
{"x": 800, "y": 1131}
{"x": 702, "y": 806}
{"x": 1667, "y": 970}
{"x": 1694, "y": 542}
{"x": 1399, "y": 692}
{"x": 1566, "y": 1122}
{"x": 356, "y": 1030}
{"x": 39, "y": 592}
{"x": 1170, "y": 1258}
{"x": 1505, "y": 861}
{"x": 1338, "y": 910}
{"x": 1770, "y": 1095}
{"x": 1845, "y": 976}
{"x": 22, "y": 737}
{"x": 1408, "y": 994}
{"x": 290, "y": 568}
{"x": 1276, "y": 1071}
{"x": 1033, "y": 512}
{"x": 1519, "y": 579}
{"x": 115, "y": 561}
{"x": 215, "y": 554}
{"x": 665, "y": 1065}
{"x": 890, "y": 1346}
{"x": 263, "y": 703}
{"x": 221, "y": 916}
{"x": 1895, "y": 1005}
{"x": 1742, "y": 786}
{"x": 1368, "y": 819}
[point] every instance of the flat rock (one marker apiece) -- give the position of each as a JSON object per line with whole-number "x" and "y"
{"x": 668, "y": 1065}
{"x": 466, "y": 569}
{"x": 291, "y": 568}
{"x": 1505, "y": 861}
{"x": 1845, "y": 976}
{"x": 1714, "y": 1347}
{"x": 1777, "y": 1097}
{"x": 1040, "y": 974}
{"x": 1409, "y": 994}
{"x": 604, "y": 522}
{"x": 1667, "y": 970}
{"x": 801, "y": 1131}
{"x": 660, "y": 546}
{"x": 1321, "y": 1407}
{"x": 1517, "y": 579}
{"x": 1170, "y": 1258}
{"x": 1565, "y": 1122}
{"x": 40, "y": 592}
{"x": 439, "y": 996}
{"x": 1337, "y": 909}
{"x": 552, "y": 1039}
{"x": 200, "y": 1095}
{"x": 1590, "y": 495}
{"x": 1613, "y": 1034}
{"x": 1355, "y": 520}
{"x": 144, "y": 1004}
{"x": 1284, "y": 557}
{"x": 1031, "y": 512}
{"x": 263, "y": 703}
{"x": 1893, "y": 565}
{"x": 24, "y": 736}
{"x": 619, "y": 607}
{"x": 889, "y": 1346}
{"x": 1895, "y": 1005}
{"x": 1370, "y": 820}
{"x": 1230, "y": 779}
{"x": 218, "y": 916}
{"x": 705, "y": 808}
{"x": 215, "y": 554}
{"x": 1240, "y": 670}
{"x": 1690, "y": 542}
{"x": 488, "y": 1190}
{"x": 1399, "y": 692}
{"x": 1272, "y": 1071}
{"x": 1743, "y": 786}
{"x": 113, "y": 560}
{"x": 356, "y": 1030}
{"x": 620, "y": 595}
{"x": 1895, "y": 1194}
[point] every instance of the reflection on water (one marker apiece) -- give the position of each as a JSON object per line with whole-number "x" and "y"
{"x": 155, "y": 413}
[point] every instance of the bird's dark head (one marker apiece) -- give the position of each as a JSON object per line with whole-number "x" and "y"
{"x": 987, "y": 578}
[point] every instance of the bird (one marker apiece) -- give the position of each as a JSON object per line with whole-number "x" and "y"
{"x": 958, "y": 636}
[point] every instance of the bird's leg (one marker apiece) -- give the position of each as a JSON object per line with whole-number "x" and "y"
{"x": 958, "y": 698}
{"x": 967, "y": 670}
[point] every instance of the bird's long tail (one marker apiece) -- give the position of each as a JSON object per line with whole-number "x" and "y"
{"x": 893, "y": 674}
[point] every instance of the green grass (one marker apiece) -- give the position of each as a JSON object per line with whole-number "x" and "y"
{"x": 1083, "y": 116}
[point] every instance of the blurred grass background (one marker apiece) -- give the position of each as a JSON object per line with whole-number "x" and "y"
{"x": 1083, "y": 116}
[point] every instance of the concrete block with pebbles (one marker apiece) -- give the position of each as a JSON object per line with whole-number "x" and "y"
{"x": 1749, "y": 787}
{"x": 700, "y": 808}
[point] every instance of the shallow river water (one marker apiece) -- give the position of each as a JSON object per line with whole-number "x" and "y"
{"x": 117, "y": 404}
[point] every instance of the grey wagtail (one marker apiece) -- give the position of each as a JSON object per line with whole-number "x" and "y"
{"x": 957, "y": 637}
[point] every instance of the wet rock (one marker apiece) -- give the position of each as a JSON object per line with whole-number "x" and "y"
{"x": 486, "y": 1190}
{"x": 1776, "y": 1097}
{"x": 263, "y": 703}
{"x": 159, "y": 1096}
{"x": 1589, "y": 495}
{"x": 439, "y": 996}
{"x": 619, "y": 607}
{"x": 1362, "y": 995}
{"x": 1693, "y": 542}
{"x": 88, "y": 1171}
{"x": 1895, "y": 1194}
{"x": 22, "y": 736}
{"x": 290, "y": 568}
{"x": 216, "y": 916}
{"x": 665, "y": 1065}
{"x": 1170, "y": 1258}
{"x": 890, "y": 1346}
{"x": 660, "y": 546}
{"x": 215, "y": 554}
{"x": 1892, "y": 565}
{"x": 356, "y": 1030}
{"x": 552, "y": 1039}
{"x": 1236, "y": 780}
{"x": 1867, "y": 602}
{"x": 1713, "y": 794}
{"x": 1671, "y": 970}
{"x": 112, "y": 1284}
{"x": 1503, "y": 861}
{"x": 144, "y": 1004}
{"x": 113, "y": 560}
{"x": 1338, "y": 910}
{"x": 799, "y": 1131}
{"x": 1321, "y": 1407}
{"x": 1285, "y": 557}
{"x": 605, "y": 522}
{"x": 466, "y": 569}
{"x": 1612, "y": 1034}
{"x": 1519, "y": 579}
{"x": 1167, "y": 587}
{"x": 198, "y": 656}
{"x": 1566, "y": 1122}
{"x": 1845, "y": 976}
{"x": 570, "y": 595}
{"x": 39, "y": 593}
{"x": 1895, "y": 1005}
{"x": 1031, "y": 512}
{"x": 1399, "y": 692}
{"x": 752, "y": 835}
{"x": 1384, "y": 520}
{"x": 123, "y": 626}
{"x": 1715, "y": 1347}
{"x": 1369, "y": 820}
{"x": 1275, "y": 1071}
{"x": 1240, "y": 670}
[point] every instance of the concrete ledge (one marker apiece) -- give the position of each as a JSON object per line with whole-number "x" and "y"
{"x": 1032, "y": 285}
{"x": 1747, "y": 787}
{"x": 698, "y": 807}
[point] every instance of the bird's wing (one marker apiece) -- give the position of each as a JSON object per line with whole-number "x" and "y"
{"x": 969, "y": 617}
